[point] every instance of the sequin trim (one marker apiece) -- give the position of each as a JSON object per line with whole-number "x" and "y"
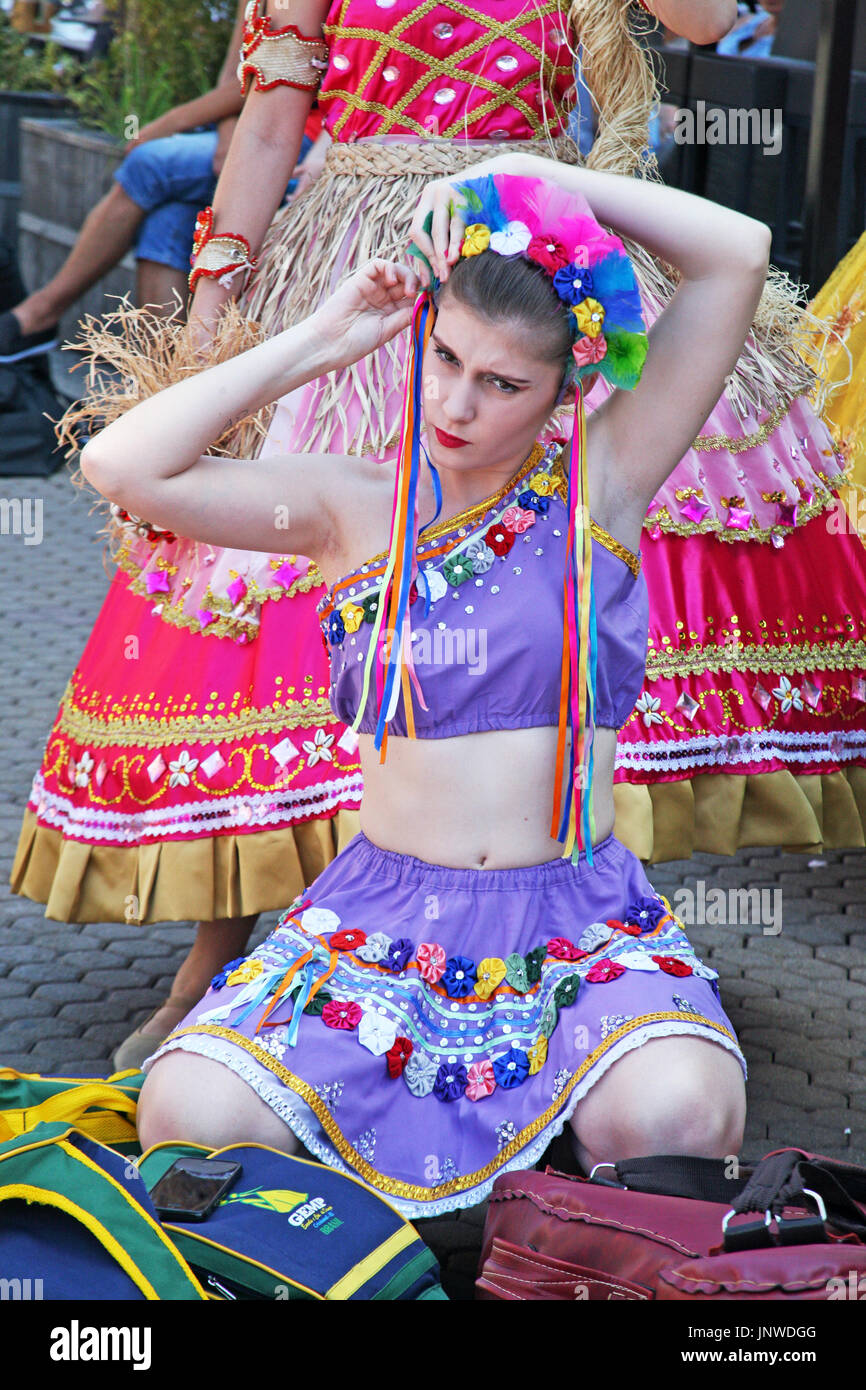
{"x": 414, "y": 1191}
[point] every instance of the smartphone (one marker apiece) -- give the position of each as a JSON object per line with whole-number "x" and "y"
{"x": 192, "y": 1187}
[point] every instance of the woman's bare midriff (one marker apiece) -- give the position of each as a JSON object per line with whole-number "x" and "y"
{"x": 478, "y": 801}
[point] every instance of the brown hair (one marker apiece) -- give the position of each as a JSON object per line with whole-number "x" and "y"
{"x": 505, "y": 289}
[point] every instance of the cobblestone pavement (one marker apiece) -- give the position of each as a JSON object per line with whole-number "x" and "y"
{"x": 69, "y": 994}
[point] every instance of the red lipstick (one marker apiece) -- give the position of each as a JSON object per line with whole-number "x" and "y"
{"x": 449, "y": 441}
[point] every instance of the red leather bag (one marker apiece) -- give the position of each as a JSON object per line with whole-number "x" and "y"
{"x": 790, "y": 1227}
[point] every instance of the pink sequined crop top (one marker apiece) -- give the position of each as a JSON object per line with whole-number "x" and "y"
{"x": 488, "y": 653}
{"x": 496, "y": 70}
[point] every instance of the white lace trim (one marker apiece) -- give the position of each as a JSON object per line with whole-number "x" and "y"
{"x": 221, "y": 1050}
{"x": 743, "y": 750}
{"x": 269, "y": 809}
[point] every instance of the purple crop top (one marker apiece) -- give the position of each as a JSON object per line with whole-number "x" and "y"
{"x": 489, "y": 653}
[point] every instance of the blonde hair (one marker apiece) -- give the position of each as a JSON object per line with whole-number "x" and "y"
{"x": 620, "y": 74}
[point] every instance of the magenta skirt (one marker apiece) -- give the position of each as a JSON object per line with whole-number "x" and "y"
{"x": 426, "y": 1029}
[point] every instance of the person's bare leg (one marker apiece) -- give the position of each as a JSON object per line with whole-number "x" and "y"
{"x": 106, "y": 235}
{"x": 675, "y": 1095}
{"x": 189, "y": 1097}
{"x": 216, "y": 942}
{"x": 160, "y": 287}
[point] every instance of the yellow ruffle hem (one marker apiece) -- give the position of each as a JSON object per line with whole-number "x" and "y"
{"x": 175, "y": 880}
{"x": 715, "y": 813}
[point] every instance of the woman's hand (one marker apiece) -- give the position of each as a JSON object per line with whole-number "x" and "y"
{"x": 367, "y": 310}
{"x": 441, "y": 245}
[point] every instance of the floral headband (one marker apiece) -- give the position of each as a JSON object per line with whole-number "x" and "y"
{"x": 588, "y": 266}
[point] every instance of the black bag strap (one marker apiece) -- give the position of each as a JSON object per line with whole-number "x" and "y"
{"x": 678, "y": 1175}
{"x": 789, "y": 1178}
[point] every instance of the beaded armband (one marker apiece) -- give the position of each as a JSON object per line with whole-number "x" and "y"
{"x": 279, "y": 57}
{"x": 220, "y": 255}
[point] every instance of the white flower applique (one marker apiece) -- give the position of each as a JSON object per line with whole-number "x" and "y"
{"x": 788, "y": 694}
{"x": 318, "y": 748}
{"x": 80, "y": 771}
{"x": 180, "y": 769}
{"x": 649, "y": 706}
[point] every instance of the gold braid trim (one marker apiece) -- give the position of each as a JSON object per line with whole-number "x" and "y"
{"x": 132, "y": 731}
{"x": 413, "y": 1191}
{"x": 712, "y": 524}
{"x": 756, "y": 657}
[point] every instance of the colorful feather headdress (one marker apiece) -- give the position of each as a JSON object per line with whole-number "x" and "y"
{"x": 595, "y": 281}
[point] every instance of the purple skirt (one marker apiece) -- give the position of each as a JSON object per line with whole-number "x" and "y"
{"x": 426, "y": 1029}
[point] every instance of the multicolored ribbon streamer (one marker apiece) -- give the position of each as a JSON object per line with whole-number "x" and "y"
{"x": 573, "y": 820}
{"x": 391, "y": 646}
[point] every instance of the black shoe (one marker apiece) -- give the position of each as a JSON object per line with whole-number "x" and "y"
{"x": 15, "y": 346}
{"x": 12, "y": 289}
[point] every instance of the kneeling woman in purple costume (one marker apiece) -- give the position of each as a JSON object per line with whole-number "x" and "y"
{"x": 453, "y": 989}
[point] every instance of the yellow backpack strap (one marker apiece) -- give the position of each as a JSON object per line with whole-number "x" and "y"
{"x": 111, "y": 1120}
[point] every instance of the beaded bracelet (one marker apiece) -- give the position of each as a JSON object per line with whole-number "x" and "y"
{"x": 219, "y": 255}
{"x": 279, "y": 57}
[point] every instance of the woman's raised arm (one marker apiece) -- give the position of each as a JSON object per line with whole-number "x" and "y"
{"x": 153, "y": 461}
{"x": 262, "y": 155}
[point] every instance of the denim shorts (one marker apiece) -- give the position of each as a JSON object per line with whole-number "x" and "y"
{"x": 172, "y": 179}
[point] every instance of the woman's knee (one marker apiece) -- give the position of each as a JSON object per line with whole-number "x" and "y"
{"x": 673, "y": 1095}
{"x": 197, "y": 1100}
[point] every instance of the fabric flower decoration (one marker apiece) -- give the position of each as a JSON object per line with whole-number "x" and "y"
{"x": 590, "y": 317}
{"x": 316, "y": 1005}
{"x": 516, "y": 973}
{"x": 604, "y": 971}
{"x": 511, "y": 1069}
{"x": 397, "y": 1056}
{"x": 475, "y": 240}
{"x": 352, "y": 615}
{"x": 399, "y": 954}
{"x": 566, "y": 991}
{"x": 247, "y": 971}
{"x": 431, "y": 962}
{"x": 549, "y": 1018}
{"x": 319, "y": 919}
{"x": 480, "y": 555}
{"x": 347, "y": 940}
{"x": 637, "y": 960}
{"x": 646, "y": 912}
{"x": 481, "y": 1082}
{"x": 457, "y": 569}
{"x": 370, "y": 607}
{"x": 588, "y": 351}
{"x": 537, "y": 1055}
{"x": 532, "y": 500}
{"x": 593, "y": 936}
{"x": 548, "y": 253}
{"x": 573, "y": 283}
{"x": 499, "y": 539}
{"x": 375, "y": 948}
{"x": 221, "y": 978}
{"x": 534, "y": 961}
{"x": 630, "y": 928}
{"x": 376, "y": 1033}
{"x": 512, "y": 240}
{"x": 336, "y": 630}
{"x": 341, "y": 1013}
{"x": 420, "y": 1073}
{"x": 543, "y": 484}
{"x": 563, "y": 949}
{"x": 450, "y": 1081}
{"x": 434, "y": 582}
{"x": 458, "y": 977}
{"x": 491, "y": 973}
{"x": 518, "y": 519}
{"x": 671, "y": 965}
